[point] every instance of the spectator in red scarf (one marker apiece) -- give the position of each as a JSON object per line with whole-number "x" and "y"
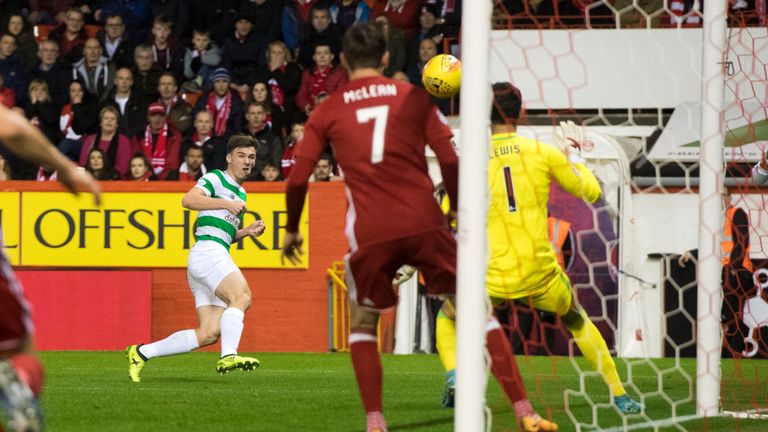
{"x": 161, "y": 142}
{"x": 283, "y": 76}
{"x": 192, "y": 168}
{"x": 141, "y": 169}
{"x": 178, "y": 110}
{"x": 214, "y": 148}
{"x": 224, "y": 103}
{"x": 324, "y": 77}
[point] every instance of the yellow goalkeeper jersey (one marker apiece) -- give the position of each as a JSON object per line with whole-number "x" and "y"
{"x": 520, "y": 170}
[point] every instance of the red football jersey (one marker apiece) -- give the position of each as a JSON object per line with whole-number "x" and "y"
{"x": 379, "y": 129}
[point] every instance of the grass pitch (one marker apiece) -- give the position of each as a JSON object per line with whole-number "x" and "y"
{"x": 90, "y": 391}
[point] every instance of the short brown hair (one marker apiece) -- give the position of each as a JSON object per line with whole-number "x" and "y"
{"x": 364, "y": 45}
{"x": 241, "y": 141}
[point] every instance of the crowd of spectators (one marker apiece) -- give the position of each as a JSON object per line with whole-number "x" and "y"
{"x": 152, "y": 89}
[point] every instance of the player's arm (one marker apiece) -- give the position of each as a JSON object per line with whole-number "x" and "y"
{"x": 439, "y": 137}
{"x": 199, "y": 198}
{"x": 253, "y": 230}
{"x": 307, "y": 152}
{"x": 573, "y": 175}
{"x": 26, "y": 141}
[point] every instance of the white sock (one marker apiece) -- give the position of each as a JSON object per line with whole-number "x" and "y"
{"x": 231, "y": 330}
{"x": 180, "y": 342}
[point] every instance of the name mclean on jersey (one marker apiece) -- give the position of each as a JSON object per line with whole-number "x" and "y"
{"x": 371, "y": 91}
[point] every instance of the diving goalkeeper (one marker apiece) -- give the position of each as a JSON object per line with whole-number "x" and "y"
{"x": 522, "y": 264}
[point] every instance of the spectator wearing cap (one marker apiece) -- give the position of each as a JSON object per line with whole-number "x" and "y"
{"x": 132, "y": 108}
{"x": 428, "y": 28}
{"x": 243, "y": 52}
{"x": 224, "y": 103}
{"x": 95, "y": 70}
{"x": 118, "y": 45}
{"x": 295, "y": 15}
{"x": 346, "y": 13}
{"x": 52, "y": 71}
{"x": 402, "y": 14}
{"x": 323, "y": 78}
{"x": 320, "y": 29}
{"x": 117, "y": 147}
{"x": 70, "y": 36}
{"x": 167, "y": 53}
{"x": 161, "y": 142}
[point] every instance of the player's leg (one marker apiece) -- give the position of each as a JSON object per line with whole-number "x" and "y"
{"x": 445, "y": 341}
{"x": 369, "y": 273}
{"x": 21, "y": 374}
{"x": 558, "y": 298}
{"x": 234, "y": 291}
{"x": 436, "y": 258}
{"x": 366, "y": 361}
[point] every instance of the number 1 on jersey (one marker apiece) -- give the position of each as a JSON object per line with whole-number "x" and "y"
{"x": 510, "y": 187}
{"x": 379, "y": 115}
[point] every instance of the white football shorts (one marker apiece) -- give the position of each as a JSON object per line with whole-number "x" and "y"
{"x": 209, "y": 263}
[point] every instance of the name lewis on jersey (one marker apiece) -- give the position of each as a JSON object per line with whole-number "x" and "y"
{"x": 368, "y": 92}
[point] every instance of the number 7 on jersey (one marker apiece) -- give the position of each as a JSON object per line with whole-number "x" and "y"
{"x": 379, "y": 115}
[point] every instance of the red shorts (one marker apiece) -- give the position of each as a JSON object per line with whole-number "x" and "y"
{"x": 15, "y": 322}
{"x": 370, "y": 269}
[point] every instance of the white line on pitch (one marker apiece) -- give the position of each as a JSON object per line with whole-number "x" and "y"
{"x": 653, "y": 423}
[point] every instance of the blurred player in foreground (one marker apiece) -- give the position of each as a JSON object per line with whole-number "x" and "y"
{"x": 379, "y": 129}
{"x": 221, "y": 292}
{"x": 21, "y": 374}
{"x": 522, "y": 263}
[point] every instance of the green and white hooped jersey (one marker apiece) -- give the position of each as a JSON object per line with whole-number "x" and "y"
{"x": 219, "y": 225}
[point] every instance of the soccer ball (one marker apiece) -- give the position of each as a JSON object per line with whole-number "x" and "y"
{"x": 442, "y": 76}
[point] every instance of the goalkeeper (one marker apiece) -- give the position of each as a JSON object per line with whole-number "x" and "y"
{"x": 522, "y": 264}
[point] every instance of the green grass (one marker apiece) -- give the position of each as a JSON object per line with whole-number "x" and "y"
{"x": 90, "y": 391}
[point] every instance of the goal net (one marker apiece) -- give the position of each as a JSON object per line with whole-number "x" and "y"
{"x": 635, "y": 75}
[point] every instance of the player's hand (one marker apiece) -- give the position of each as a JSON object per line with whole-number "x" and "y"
{"x": 235, "y": 207}
{"x": 763, "y": 163}
{"x": 292, "y": 250}
{"x": 453, "y": 222}
{"x": 404, "y": 274}
{"x": 685, "y": 259}
{"x": 255, "y": 229}
{"x": 571, "y": 138}
{"x": 78, "y": 180}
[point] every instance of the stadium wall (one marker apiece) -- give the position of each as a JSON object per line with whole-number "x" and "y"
{"x": 108, "y": 308}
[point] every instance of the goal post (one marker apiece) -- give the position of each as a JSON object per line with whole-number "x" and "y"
{"x": 711, "y": 183}
{"x": 471, "y": 305}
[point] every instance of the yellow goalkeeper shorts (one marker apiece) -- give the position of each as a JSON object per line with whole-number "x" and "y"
{"x": 554, "y": 296}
